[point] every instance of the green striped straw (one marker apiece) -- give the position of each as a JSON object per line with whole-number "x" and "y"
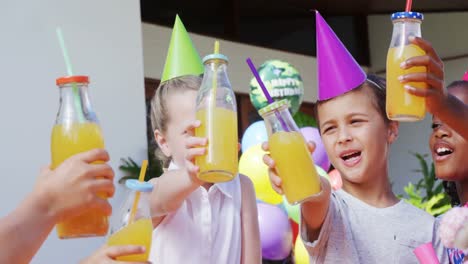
{"x": 76, "y": 92}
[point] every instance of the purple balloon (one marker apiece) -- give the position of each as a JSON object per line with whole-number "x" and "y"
{"x": 320, "y": 155}
{"x": 275, "y": 232}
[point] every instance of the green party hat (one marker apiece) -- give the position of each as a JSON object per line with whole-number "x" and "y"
{"x": 182, "y": 57}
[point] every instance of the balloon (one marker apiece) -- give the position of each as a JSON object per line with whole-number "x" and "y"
{"x": 251, "y": 164}
{"x": 294, "y": 211}
{"x": 322, "y": 172}
{"x": 300, "y": 252}
{"x": 256, "y": 133}
{"x": 304, "y": 120}
{"x": 282, "y": 81}
{"x": 320, "y": 155}
{"x": 335, "y": 179}
{"x": 275, "y": 232}
{"x": 295, "y": 228}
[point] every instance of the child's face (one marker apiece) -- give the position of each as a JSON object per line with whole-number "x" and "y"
{"x": 355, "y": 136}
{"x": 181, "y": 109}
{"x": 449, "y": 149}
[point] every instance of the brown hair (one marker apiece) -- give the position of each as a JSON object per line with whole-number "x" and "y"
{"x": 159, "y": 114}
{"x": 377, "y": 87}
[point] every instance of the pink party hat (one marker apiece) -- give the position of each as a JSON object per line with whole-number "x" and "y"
{"x": 465, "y": 76}
{"x": 338, "y": 71}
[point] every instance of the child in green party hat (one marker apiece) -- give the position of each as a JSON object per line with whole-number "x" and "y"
{"x": 195, "y": 222}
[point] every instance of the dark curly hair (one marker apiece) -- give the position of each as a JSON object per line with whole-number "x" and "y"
{"x": 450, "y": 187}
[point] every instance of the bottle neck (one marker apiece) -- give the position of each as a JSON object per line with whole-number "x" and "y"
{"x": 279, "y": 120}
{"x": 403, "y": 29}
{"x": 75, "y": 104}
{"x": 216, "y": 69}
{"x": 216, "y": 90}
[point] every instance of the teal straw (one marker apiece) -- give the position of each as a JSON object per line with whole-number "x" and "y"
{"x": 76, "y": 92}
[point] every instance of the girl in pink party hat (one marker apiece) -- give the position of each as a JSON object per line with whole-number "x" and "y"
{"x": 364, "y": 222}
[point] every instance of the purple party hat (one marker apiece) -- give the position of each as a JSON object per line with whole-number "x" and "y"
{"x": 338, "y": 71}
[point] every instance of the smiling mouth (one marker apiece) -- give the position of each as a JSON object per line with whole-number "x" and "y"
{"x": 351, "y": 156}
{"x": 443, "y": 151}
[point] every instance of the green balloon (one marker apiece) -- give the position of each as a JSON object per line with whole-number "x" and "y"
{"x": 322, "y": 172}
{"x": 294, "y": 211}
{"x": 304, "y": 120}
{"x": 282, "y": 81}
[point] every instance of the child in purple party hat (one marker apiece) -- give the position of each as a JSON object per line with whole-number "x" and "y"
{"x": 364, "y": 222}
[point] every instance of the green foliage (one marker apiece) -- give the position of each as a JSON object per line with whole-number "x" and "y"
{"x": 131, "y": 169}
{"x": 304, "y": 120}
{"x": 428, "y": 193}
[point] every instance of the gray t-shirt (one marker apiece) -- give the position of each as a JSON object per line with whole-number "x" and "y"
{"x": 355, "y": 232}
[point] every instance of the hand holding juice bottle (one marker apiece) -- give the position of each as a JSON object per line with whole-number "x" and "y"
{"x": 72, "y": 188}
{"x": 290, "y": 153}
{"x": 435, "y": 94}
{"x": 77, "y": 130}
{"x": 133, "y": 226}
{"x": 59, "y": 194}
{"x": 109, "y": 254}
{"x": 217, "y": 111}
{"x": 401, "y": 105}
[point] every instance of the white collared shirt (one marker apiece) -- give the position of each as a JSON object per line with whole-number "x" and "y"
{"x": 205, "y": 229}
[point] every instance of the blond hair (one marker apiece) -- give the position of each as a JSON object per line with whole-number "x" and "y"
{"x": 159, "y": 114}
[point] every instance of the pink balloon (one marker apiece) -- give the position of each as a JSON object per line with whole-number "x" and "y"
{"x": 335, "y": 179}
{"x": 320, "y": 155}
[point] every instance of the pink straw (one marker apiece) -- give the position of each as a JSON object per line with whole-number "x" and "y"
{"x": 265, "y": 92}
{"x": 408, "y": 5}
{"x": 426, "y": 254}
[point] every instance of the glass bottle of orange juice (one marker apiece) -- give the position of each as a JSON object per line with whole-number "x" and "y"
{"x": 217, "y": 111}
{"x": 77, "y": 130}
{"x": 402, "y": 106}
{"x": 133, "y": 225}
{"x": 288, "y": 149}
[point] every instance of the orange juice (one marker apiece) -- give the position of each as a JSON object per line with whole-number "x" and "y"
{"x": 294, "y": 165}
{"x": 401, "y": 105}
{"x": 137, "y": 233}
{"x": 220, "y": 163}
{"x": 68, "y": 140}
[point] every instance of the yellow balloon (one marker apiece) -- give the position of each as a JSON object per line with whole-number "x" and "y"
{"x": 300, "y": 252}
{"x": 251, "y": 164}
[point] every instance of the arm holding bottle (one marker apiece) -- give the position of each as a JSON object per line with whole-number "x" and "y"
{"x": 174, "y": 186}
{"x": 59, "y": 194}
{"x": 108, "y": 254}
{"x": 445, "y": 106}
{"x": 313, "y": 211}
